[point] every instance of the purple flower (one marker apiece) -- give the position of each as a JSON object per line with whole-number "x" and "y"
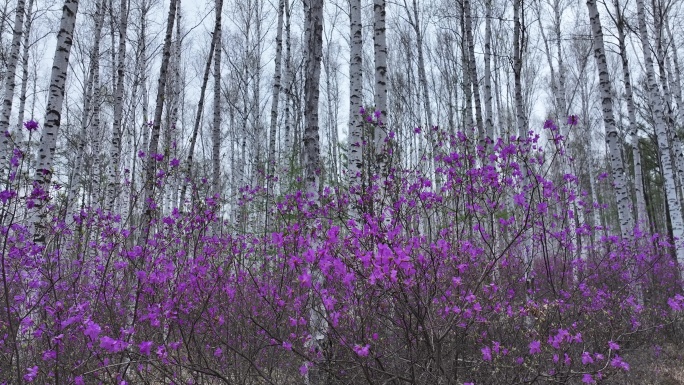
{"x": 613, "y": 345}
{"x": 362, "y": 351}
{"x": 486, "y": 353}
{"x": 548, "y": 124}
{"x": 31, "y": 125}
{"x": 586, "y": 358}
{"x": 535, "y": 347}
{"x": 588, "y": 379}
{"x": 618, "y": 363}
{"x": 111, "y": 345}
{"x": 92, "y": 330}
{"x": 31, "y": 374}
{"x": 49, "y": 355}
{"x": 573, "y": 120}
{"x": 174, "y": 162}
{"x": 145, "y": 347}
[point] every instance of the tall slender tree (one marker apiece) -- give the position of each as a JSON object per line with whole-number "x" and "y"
{"x": 53, "y": 115}
{"x": 216, "y": 126}
{"x": 150, "y": 167}
{"x": 656, "y": 101}
{"x": 10, "y": 79}
{"x": 115, "y": 154}
{"x": 622, "y": 195}
{"x": 380, "y": 53}
{"x": 312, "y": 164}
{"x": 275, "y": 97}
{"x": 354, "y": 139}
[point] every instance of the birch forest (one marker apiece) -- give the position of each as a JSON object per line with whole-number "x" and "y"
{"x": 330, "y": 192}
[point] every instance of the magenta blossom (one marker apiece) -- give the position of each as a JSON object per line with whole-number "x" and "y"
{"x": 31, "y": 125}
{"x": 573, "y": 120}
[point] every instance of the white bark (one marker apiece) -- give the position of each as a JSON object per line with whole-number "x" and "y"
{"x": 287, "y": 89}
{"x": 10, "y": 81}
{"x": 53, "y": 115}
{"x": 198, "y": 118}
{"x": 641, "y": 217}
{"x": 216, "y": 127}
{"x": 277, "y": 77}
{"x": 24, "y": 64}
{"x": 518, "y": 46}
{"x": 150, "y": 164}
{"x": 472, "y": 65}
{"x": 354, "y": 140}
{"x": 380, "y": 53}
{"x": 90, "y": 89}
{"x": 488, "y": 120}
{"x": 314, "y": 53}
{"x": 622, "y": 195}
{"x": 663, "y": 138}
{"x": 115, "y": 154}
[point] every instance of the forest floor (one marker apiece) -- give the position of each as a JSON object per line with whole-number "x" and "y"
{"x": 654, "y": 365}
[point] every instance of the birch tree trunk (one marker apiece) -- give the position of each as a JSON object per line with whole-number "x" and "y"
{"x": 53, "y": 115}
{"x": 517, "y": 69}
{"x": 287, "y": 89}
{"x": 277, "y": 76}
{"x": 488, "y": 120}
{"x": 355, "y": 141}
{"x": 10, "y": 81}
{"x": 641, "y": 217}
{"x": 150, "y": 167}
{"x": 655, "y": 100}
{"x": 314, "y": 53}
{"x": 24, "y": 64}
{"x": 90, "y": 86}
{"x": 115, "y": 154}
{"x": 216, "y": 127}
{"x": 380, "y": 53}
{"x": 622, "y": 195}
{"x": 472, "y": 65}
{"x": 198, "y": 119}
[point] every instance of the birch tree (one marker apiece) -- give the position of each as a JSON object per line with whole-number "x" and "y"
{"x": 354, "y": 140}
{"x": 311, "y": 141}
{"x": 656, "y": 102}
{"x": 277, "y": 77}
{"x": 518, "y": 48}
{"x": 216, "y": 127}
{"x": 620, "y": 24}
{"x": 622, "y": 195}
{"x": 91, "y": 89}
{"x": 488, "y": 119}
{"x": 472, "y": 65}
{"x": 380, "y": 53}
{"x": 24, "y": 64}
{"x": 10, "y": 81}
{"x": 53, "y": 115}
{"x": 115, "y": 154}
{"x": 150, "y": 168}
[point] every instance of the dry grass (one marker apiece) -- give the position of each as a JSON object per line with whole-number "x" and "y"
{"x": 654, "y": 365}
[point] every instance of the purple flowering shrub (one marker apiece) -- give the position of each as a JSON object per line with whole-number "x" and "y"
{"x": 480, "y": 272}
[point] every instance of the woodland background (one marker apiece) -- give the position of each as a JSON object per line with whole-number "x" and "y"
{"x": 433, "y": 191}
